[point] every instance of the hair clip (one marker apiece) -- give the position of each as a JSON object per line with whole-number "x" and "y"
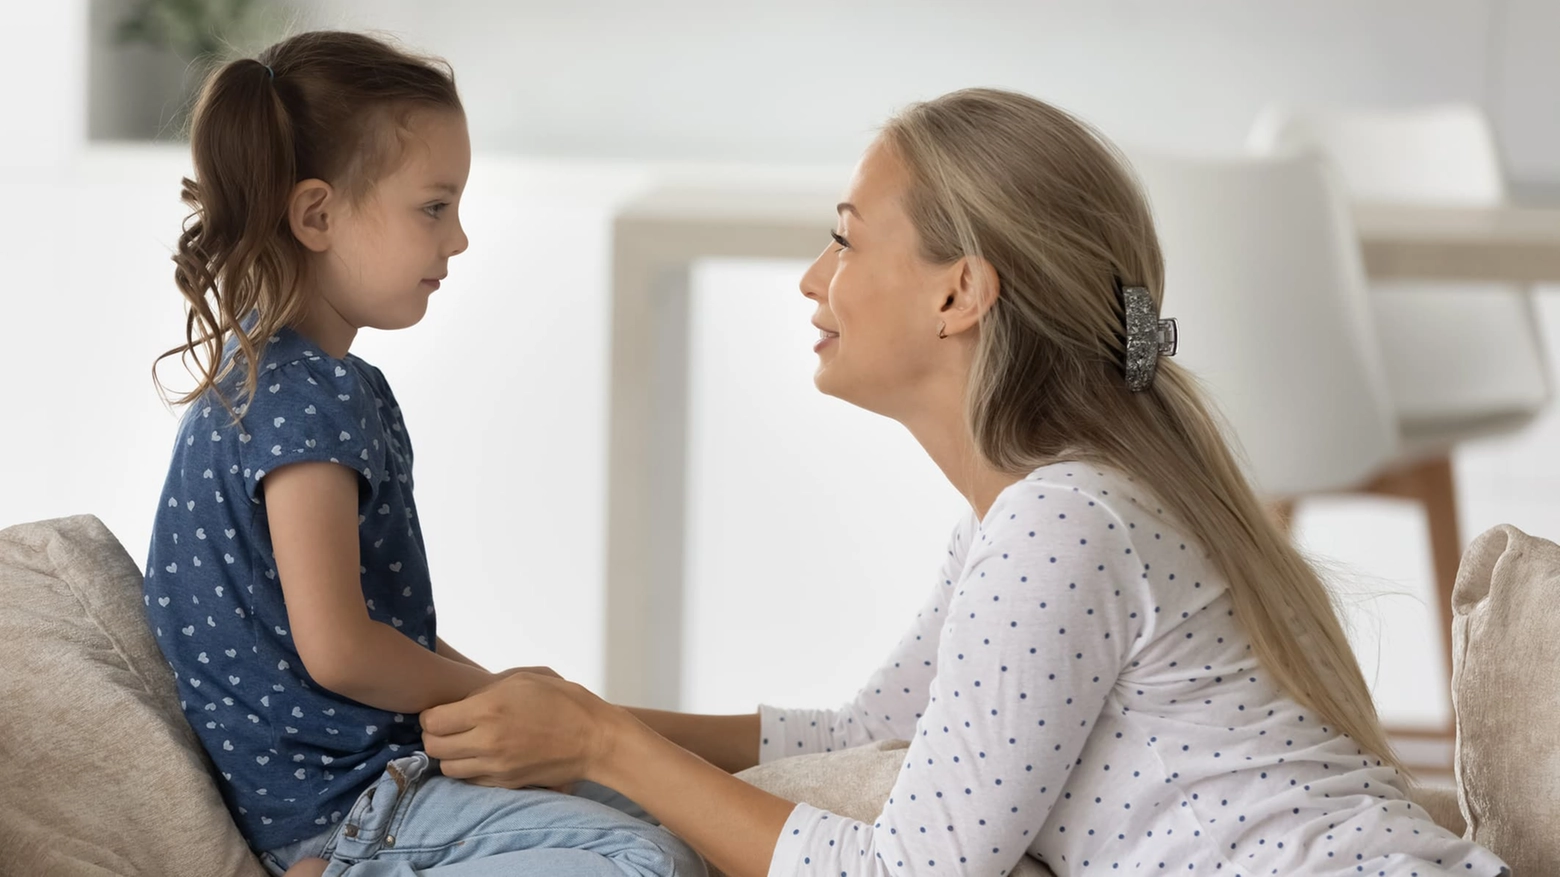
{"x": 1147, "y": 336}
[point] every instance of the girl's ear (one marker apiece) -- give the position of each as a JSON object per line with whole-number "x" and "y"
{"x": 309, "y": 214}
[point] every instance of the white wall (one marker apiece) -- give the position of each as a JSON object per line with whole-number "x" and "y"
{"x": 807, "y": 80}
{"x": 44, "y": 67}
{"x": 517, "y": 341}
{"x": 504, "y": 384}
{"x": 815, "y": 529}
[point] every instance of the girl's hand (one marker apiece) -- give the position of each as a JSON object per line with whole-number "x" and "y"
{"x": 527, "y": 729}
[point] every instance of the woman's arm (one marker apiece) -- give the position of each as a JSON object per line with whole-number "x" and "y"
{"x": 1021, "y": 676}
{"x": 312, "y": 511}
{"x": 534, "y": 730}
{"x": 728, "y": 742}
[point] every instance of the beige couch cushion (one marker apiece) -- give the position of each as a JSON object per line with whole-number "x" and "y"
{"x": 1506, "y": 657}
{"x": 102, "y": 774}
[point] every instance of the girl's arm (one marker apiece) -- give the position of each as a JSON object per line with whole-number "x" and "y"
{"x": 312, "y": 510}
{"x": 448, "y": 651}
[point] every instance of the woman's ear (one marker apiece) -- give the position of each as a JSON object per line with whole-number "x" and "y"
{"x": 309, "y": 216}
{"x": 972, "y": 289}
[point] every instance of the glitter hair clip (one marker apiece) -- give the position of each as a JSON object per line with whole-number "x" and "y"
{"x": 1147, "y": 336}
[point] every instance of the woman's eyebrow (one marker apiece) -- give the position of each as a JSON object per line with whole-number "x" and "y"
{"x": 843, "y": 206}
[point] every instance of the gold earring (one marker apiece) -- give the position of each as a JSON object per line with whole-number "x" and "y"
{"x": 942, "y": 330}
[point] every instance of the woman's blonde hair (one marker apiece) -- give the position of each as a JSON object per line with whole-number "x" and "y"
{"x": 1054, "y": 208}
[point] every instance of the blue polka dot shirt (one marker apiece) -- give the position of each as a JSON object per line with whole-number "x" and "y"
{"x": 291, "y": 756}
{"x": 1076, "y": 689}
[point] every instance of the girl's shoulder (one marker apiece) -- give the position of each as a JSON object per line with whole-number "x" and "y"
{"x": 294, "y": 374}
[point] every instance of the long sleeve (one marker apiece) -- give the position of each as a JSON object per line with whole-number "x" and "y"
{"x": 1039, "y": 624}
{"x": 893, "y": 699}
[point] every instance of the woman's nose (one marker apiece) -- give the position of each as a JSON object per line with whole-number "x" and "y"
{"x": 815, "y": 280}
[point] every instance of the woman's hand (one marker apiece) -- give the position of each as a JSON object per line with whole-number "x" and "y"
{"x": 530, "y": 728}
{"x": 541, "y": 671}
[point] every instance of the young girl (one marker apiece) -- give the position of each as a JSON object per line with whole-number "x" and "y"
{"x": 1122, "y": 665}
{"x": 288, "y": 584}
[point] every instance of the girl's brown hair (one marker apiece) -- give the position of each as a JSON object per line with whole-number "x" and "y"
{"x": 323, "y": 105}
{"x": 1055, "y": 209}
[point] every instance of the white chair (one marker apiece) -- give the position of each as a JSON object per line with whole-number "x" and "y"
{"x": 1263, "y": 273}
{"x": 1463, "y": 361}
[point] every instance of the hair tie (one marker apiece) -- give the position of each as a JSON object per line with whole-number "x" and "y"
{"x": 269, "y": 71}
{"x": 1147, "y": 336}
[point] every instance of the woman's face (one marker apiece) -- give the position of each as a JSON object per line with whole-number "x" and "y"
{"x": 879, "y": 302}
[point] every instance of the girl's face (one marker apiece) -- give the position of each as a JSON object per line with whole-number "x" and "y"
{"x": 389, "y": 252}
{"x": 879, "y": 302}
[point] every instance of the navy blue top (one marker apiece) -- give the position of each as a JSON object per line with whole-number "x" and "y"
{"x": 292, "y": 755}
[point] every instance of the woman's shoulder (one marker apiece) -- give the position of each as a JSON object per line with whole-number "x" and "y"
{"x": 1094, "y": 491}
{"x": 1097, "y": 507}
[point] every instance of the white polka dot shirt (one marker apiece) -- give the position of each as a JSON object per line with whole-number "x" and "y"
{"x": 1076, "y": 688}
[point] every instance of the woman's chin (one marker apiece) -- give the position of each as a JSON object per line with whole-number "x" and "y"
{"x": 824, "y": 381}
{"x": 830, "y": 383}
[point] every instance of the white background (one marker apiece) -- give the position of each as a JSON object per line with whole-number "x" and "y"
{"x": 796, "y": 501}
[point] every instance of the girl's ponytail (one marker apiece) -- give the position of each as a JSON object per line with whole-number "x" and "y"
{"x": 236, "y": 246}
{"x": 324, "y": 105}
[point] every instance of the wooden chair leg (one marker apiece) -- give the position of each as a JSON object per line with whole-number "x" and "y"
{"x": 1430, "y": 483}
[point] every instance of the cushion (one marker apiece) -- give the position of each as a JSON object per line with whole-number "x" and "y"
{"x": 853, "y": 783}
{"x": 1506, "y": 656}
{"x": 1442, "y": 805}
{"x": 103, "y": 775}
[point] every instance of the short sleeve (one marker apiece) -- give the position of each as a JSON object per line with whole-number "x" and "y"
{"x": 314, "y": 410}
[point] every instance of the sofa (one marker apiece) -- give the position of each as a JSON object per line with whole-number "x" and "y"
{"x": 104, "y": 777}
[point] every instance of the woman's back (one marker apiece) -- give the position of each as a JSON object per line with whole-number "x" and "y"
{"x": 1078, "y": 685}
{"x": 1196, "y": 744}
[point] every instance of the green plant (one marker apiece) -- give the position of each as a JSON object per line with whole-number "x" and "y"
{"x": 191, "y": 29}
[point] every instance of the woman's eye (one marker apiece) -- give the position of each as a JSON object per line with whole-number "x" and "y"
{"x": 434, "y": 210}
{"x": 844, "y": 244}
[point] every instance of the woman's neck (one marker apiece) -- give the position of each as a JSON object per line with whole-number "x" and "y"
{"x": 944, "y": 434}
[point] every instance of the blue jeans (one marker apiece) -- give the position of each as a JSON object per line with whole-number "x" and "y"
{"x": 414, "y": 821}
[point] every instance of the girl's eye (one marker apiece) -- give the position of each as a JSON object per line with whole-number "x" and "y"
{"x": 434, "y": 210}
{"x": 844, "y": 244}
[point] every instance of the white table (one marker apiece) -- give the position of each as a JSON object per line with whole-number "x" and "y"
{"x": 1515, "y": 244}
{"x": 658, "y": 238}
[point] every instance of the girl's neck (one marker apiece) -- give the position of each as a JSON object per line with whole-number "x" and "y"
{"x": 325, "y": 326}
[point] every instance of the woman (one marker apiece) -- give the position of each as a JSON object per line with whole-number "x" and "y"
{"x": 1124, "y": 665}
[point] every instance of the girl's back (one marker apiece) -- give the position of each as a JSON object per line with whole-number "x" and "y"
{"x": 215, "y": 606}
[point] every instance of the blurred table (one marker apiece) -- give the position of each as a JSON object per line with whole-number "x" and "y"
{"x": 1504, "y": 244}
{"x": 658, "y": 237}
